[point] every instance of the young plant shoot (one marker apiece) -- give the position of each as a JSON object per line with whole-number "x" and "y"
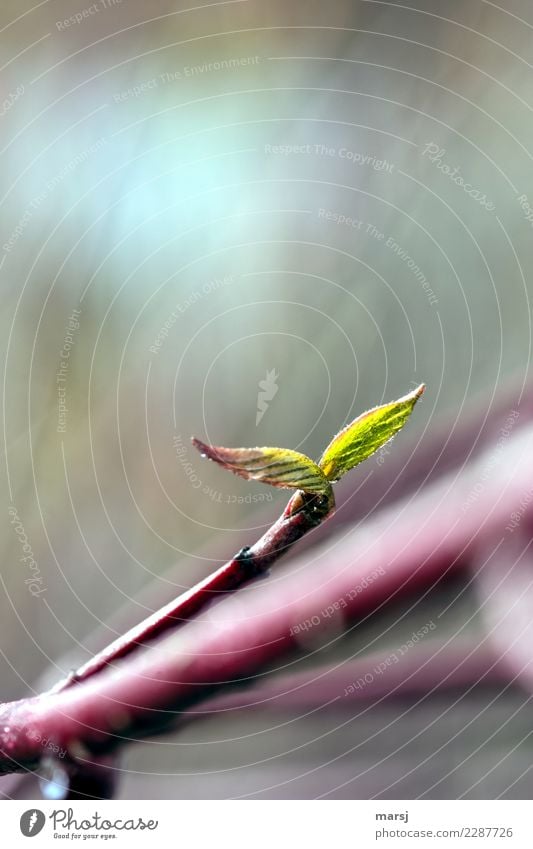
{"x": 288, "y": 469}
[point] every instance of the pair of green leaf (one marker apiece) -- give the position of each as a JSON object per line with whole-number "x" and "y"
{"x": 289, "y": 469}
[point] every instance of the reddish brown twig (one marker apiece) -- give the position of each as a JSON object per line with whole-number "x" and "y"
{"x": 416, "y": 543}
{"x": 244, "y": 567}
{"x": 312, "y": 502}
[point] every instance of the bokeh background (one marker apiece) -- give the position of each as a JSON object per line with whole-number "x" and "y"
{"x": 318, "y": 204}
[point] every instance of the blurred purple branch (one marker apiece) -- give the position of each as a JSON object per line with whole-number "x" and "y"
{"x": 457, "y": 664}
{"x": 410, "y": 546}
{"x": 418, "y": 462}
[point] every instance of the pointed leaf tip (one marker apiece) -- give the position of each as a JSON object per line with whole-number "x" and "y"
{"x": 366, "y": 434}
{"x": 205, "y": 450}
{"x": 418, "y": 392}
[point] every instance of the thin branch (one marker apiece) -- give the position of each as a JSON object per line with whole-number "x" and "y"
{"x": 248, "y": 564}
{"x": 415, "y": 543}
{"x": 448, "y": 446}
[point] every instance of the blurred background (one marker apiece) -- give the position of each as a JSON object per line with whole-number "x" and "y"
{"x": 249, "y": 222}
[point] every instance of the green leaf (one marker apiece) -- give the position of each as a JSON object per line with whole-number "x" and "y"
{"x": 366, "y": 434}
{"x": 276, "y": 466}
{"x": 289, "y": 469}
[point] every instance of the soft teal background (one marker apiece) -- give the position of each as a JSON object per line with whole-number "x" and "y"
{"x": 140, "y": 188}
